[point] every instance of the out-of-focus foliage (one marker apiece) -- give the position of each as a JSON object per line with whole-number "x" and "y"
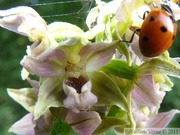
{"x": 13, "y": 47}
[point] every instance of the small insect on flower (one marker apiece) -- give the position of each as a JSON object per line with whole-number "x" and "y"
{"x": 158, "y": 31}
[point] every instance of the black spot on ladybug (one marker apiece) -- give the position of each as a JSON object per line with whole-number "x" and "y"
{"x": 151, "y": 19}
{"x": 163, "y": 29}
{"x": 173, "y": 37}
{"x": 145, "y": 38}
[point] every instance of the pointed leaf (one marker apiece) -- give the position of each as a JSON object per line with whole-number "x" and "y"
{"x": 61, "y": 128}
{"x": 109, "y": 122}
{"x": 123, "y": 49}
{"x": 159, "y": 66}
{"x": 120, "y": 68}
{"x": 59, "y": 112}
{"x": 115, "y": 111}
{"x": 107, "y": 91}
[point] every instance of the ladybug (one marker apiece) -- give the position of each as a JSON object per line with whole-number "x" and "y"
{"x": 158, "y": 31}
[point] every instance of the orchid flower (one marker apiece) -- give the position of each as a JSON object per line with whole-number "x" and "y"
{"x": 80, "y": 83}
{"x": 58, "y": 59}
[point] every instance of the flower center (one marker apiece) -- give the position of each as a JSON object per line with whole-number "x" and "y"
{"x": 74, "y": 70}
{"x": 76, "y": 83}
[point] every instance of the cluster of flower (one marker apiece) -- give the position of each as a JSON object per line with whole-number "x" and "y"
{"x": 91, "y": 80}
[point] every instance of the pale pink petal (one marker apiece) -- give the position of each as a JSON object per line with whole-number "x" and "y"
{"x": 84, "y": 123}
{"x": 161, "y": 120}
{"x": 50, "y": 63}
{"x": 79, "y": 101}
{"x": 145, "y": 93}
{"x": 23, "y": 20}
{"x": 24, "y": 126}
{"x": 97, "y": 54}
{"x": 38, "y": 48}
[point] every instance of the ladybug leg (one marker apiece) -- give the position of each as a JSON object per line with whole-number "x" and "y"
{"x": 144, "y": 15}
{"x": 132, "y": 37}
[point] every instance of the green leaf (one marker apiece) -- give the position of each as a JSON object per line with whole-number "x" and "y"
{"x": 61, "y": 128}
{"x": 60, "y": 112}
{"x": 160, "y": 66}
{"x": 109, "y": 122}
{"x": 120, "y": 68}
{"x": 117, "y": 112}
{"x": 107, "y": 91}
{"x": 123, "y": 49}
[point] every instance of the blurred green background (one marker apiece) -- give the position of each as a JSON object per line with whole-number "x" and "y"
{"x": 13, "y": 48}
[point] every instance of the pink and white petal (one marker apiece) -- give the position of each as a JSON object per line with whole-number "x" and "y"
{"x": 13, "y": 18}
{"x": 72, "y": 101}
{"x": 97, "y": 54}
{"x": 24, "y": 126}
{"x": 41, "y": 68}
{"x": 161, "y": 120}
{"x": 77, "y": 102}
{"x": 88, "y": 99}
{"x": 87, "y": 86}
{"x": 144, "y": 92}
{"x": 68, "y": 89}
{"x": 38, "y": 48}
{"x": 84, "y": 123}
{"x": 55, "y": 55}
{"x": 134, "y": 48}
{"x": 50, "y": 63}
{"x": 139, "y": 116}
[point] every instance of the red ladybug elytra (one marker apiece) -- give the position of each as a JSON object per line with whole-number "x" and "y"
{"x": 157, "y": 32}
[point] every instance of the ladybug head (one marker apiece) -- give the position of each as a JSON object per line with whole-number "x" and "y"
{"x": 168, "y": 10}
